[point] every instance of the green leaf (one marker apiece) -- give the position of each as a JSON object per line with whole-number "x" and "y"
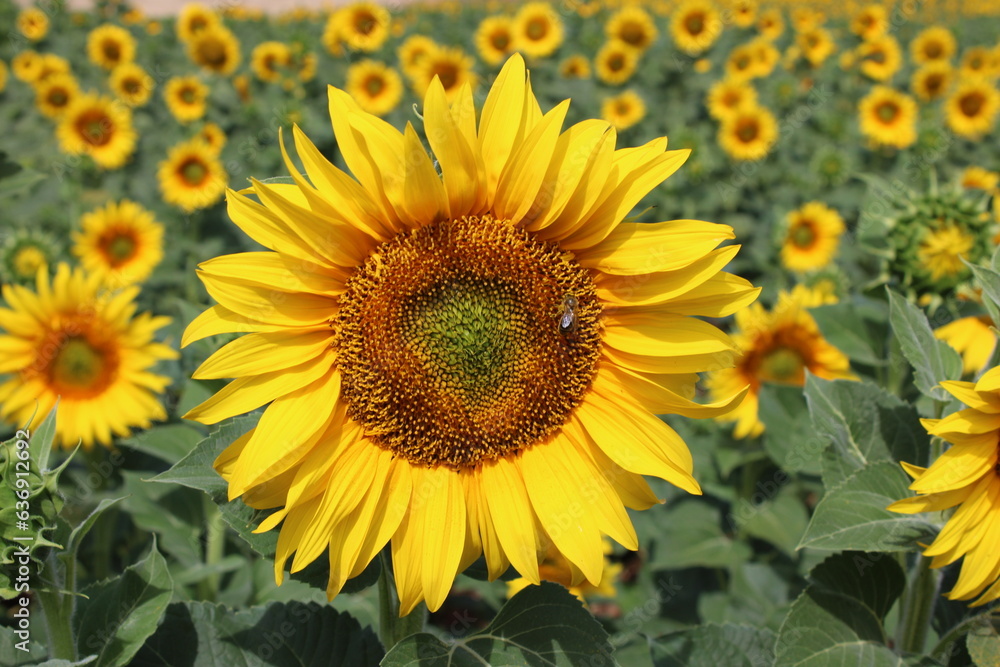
{"x": 541, "y": 625}
{"x": 42, "y": 438}
{"x": 789, "y": 438}
{"x": 853, "y": 514}
{"x": 714, "y": 645}
{"x": 933, "y": 360}
{"x": 865, "y": 424}
{"x": 853, "y": 328}
{"x": 170, "y": 442}
{"x": 838, "y": 618}
{"x": 983, "y": 643}
{"x": 200, "y": 634}
{"x": 780, "y": 520}
{"x": 10, "y": 641}
{"x": 117, "y": 615}
{"x": 690, "y": 534}
{"x": 174, "y": 513}
{"x": 78, "y": 533}
{"x": 989, "y": 280}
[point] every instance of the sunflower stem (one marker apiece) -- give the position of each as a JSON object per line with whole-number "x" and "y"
{"x": 215, "y": 544}
{"x": 918, "y": 607}
{"x": 392, "y": 627}
{"x": 57, "y": 610}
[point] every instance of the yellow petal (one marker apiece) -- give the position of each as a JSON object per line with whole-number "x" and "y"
{"x": 442, "y": 515}
{"x": 454, "y": 154}
{"x": 501, "y": 122}
{"x": 663, "y": 286}
{"x": 218, "y": 320}
{"x": 281, "y": 272}
{"x": 659, "y": 399}
{"x": 637, "y": 248}
{"x": 513, "y": 518}
{"x": 424, "y": 193}
{"x": 258, "y": 353}
{"x": 265, "y": 303}
{"x": 651, "y": 332}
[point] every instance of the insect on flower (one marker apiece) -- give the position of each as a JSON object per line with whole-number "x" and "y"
{"x": 568, "y": 320}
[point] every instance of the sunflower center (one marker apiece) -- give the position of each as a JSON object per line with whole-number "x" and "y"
{"x": 695, "y": 24}
{"x": 971, "y": 104}
{"x": 731, "y": 98}
{"x": 212, "y": 52}
{"x": 193, "y": 172}
{"x": 58, "y": 97}
{"x": 747, "y": 130}
{"x": 447, "y": 73}
{"x": 364, "y": 22}
{"x": 933, "y": 50}
{"x": 95, "y": 127}
{"x": 111, "y": 50}
{"x": 188, "y": 96}
{"x": 934, "y": 83}
{"x": 633, "y": 33}
{"x": 500, "y": 40}
{"x": 616, "y": 62}
{"x": 537, "y": 28}
{"x": 887, "y": 112}
{"x": 28, "y": 260}
{"x": 118, "y": 247}
{"x": 782, "y": 365}
{"x": 79, "y": 368}
{"x": 374, "y": 85}
{"x": 803, "y": 235}
{"x": 466, "y": 341}
{"x": 131, "y": 86}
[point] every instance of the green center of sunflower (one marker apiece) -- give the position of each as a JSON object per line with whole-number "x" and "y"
{"x": 887, "y": 112}
{"x": 781, "y": 365}
{"x": 971, "y": 104}
{"x": 374, "y": 85}
{"x": 95, "y": 127}
{"x": 877, "y": 57}
{"x": 193, "y": 172}
{"x": 466, "y": 341}
{"x": 111, "y": 50}
{"x": 694, "y": 23}
{"x": 803, "y": 235}
{"x": 537, "y": 29}
{"x": 80, "y": 369}
{"x": 118, "y": 247}
{"x": 616, "y": 62}
{"x": 58, "y": 97}
{"x": 500, "y": 40}
{"x": 188, "y": 96}
{"x": 933, "y": 50}
{"x": 747, "y": 130}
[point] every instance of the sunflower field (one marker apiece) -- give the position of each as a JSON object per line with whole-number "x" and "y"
{"x": 655, "y": 333}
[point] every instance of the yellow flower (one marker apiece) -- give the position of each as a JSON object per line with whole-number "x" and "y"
{"x": 977, "y": 178}
{"x": 695, "y": 25}
{"x": 743, "y": 12}
{"x": 413, "y": 51}
{"x": 363, "y": 26}
{"x": 100, "y": 127}
{"x": 770, "y": 25}
{"x": 880, "y": 58}
{"x": 69, "y": 341}
{"x": 748, "y": 133}
{"x": 971, "y": 109}
{"x": 185, "y": 96}
{"x": 49, "y": 65}
{"x": 812, "y": 239}
{"x": 440, "y": 352}
{"x": 269, "y": 59}
{"x": 742, "y": 65}
{"x": 191, "y": 177}
{"x": 27, "y": 66}
{"x": 193, "y": 18}
{"x": 556, "y": 568}
{"x": 23, "y": 254}
{"x": 307, "y": 67}
{"x": 977, "y": 61}
{"x": 3, "y": 76}
{"x": 973, "y": 338}
{"x": 33, "y": 23}
{"x": 495, "y": 39}
{"x": 538, "y": 30}
{"x": 216, "y": 49}
{"x": 816, "y": 45}
{"x": 931, "y": 81}
{"x": 888, "y": 117}
{"x": 121, "y": 243}
{"x": 55, "y": 94}
{"x": 131, "y": 84}
{"x": 871, "y": 21}
{"x": 632, "y": 25}
{"x": 766, "y": 55}
{"x": 376, "y": 87}
{"x": 964, "y": 476}
{"x": 452, "y": 66}
{"x": 728, "y": 95}
{"x": 777, "y": 346}
{"x": 616, "y": 62}
{"x": 806, "y": 18}
{"x": 624, "y": 110}
{"x": 213, "y": 136}
{"x": 935, "y": 43}
{"x": 575, "y": 67}
{"x": 942, "y": 250}
{"x": 109, "y": 46}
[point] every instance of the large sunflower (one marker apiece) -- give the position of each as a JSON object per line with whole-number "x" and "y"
{"x": 69, "y": 341}
{"x": 192, "y": 177}
{"x": 695, "y": 25}
{"x": 100, "y": 127}
{"x": 33, "y": 23}
{"x": 888, "y": 117}
{"x": 376, "y": 87}
{"x": 121, "y": 243}
{"x": 494, "y": 39}
{"x": 965, "y": 476}
{"x": 727, "y": 95}
{"x": 812, "y": 237}
{"x": 748, "y": 133}
{"x": 456, "y": 361}
{"x": 538, "y": 30}
{"x": 971, "y": 109}
{"x": 777, "y": 346}
{"x": 109, "y": 46}
{"x": 632, "y": 25}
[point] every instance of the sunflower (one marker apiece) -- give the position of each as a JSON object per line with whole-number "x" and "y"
{"x": 376, "y": 87}
{"x": 97, "y": 126}
{"x": 216, "y": 49}
{"x": 131, "y": 84}
{"x": 268, "y": 59}
{"x": 624, "y": 110}
{"x": 743, "y": 12}
{"x": 812, "y": 238}
{"x": 816, "y": 44}
{"x": 977, "y": 61}
{"x": 27, "y": 65}
{"x": 195, "y": 17}
{"x": 971, "y": 108}
{"x": 49, "y": 65}
{"x": 935, "y": 43}
{"x": 770, "y": 25}
{"x": 186, "y": 98}
{"x": 109, "y": 46}
{"x": 616, "y": 62}
{"x": 977, "y": 178}
{"x": 538, "y": 30}
{"x": 494, "y": 39}
{"x": 363, "y": 26}
{"x": 931, "y": 81}
{"x": 192, "y": 177}
{"x": 748, "y": 133}
{"x": 23, "y": 253}
{"x": 888, "y": 117}
{"x": 33, "y": 23}
{"x": 213, "y": 136}
{"x": 413, "y": 51}
{"x": 777, "y": 346}
{"x": 446, "y": 334}
{"x": 695, "y": 25}
{"x": 871, "y": 22}
{"x": 54, "y": 95}
{"x": 69, "y": 341}
{"x": 965, "y": 476}
{"x": 451, "y": 66}
{"x": 973, "y": 338}
{"x": 727, "y": 95}
{"x": 880, "y": 58}
{"x": 806, "y": 18}
{"x": 307, "y": 67}
{"x": 632, "y": 25}
{"x": 3, "y": 76}
{"x": 943, "y": 251}
{"x": 121, "y": 243}
{"x": 741, "y": 64}
{"x": 575, "y": 67}
{"x": 766, "y": 55}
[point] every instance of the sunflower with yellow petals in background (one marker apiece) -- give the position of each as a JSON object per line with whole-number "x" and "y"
{"x": 121, "y": 243}
{"x": 538, "y": 30}
{"x": 413, "y": 51}
{"x": 100, "y": 127}
{"x": 3, "y": 76}
{"x": 935, "y": 43}
{"x": 624, "y": 110}
{"x": 213, "y": 136}
{"x": 454, "y": 356}
{"x": 977, "y": 61}
{"x": 766, "y": 56}
{"x": 575, "y": 67}
{"x": 870, "y": 22}
{"x": 971, "y": 108}
{"x": 363, "y": 26}
{"x": 55, "y": 94}
{"x": 186, "y": 98}
{"x": 888, "y": 117}
{"x": 616, "y": 62}
{"x": 778, "y": 346}
{"x": 215, "y": 49}
{"x": 748, "y": 133}
{"x": 33, "y": 23}
{"x": 816, "y": 44}
{"x": 192, "y": 177}
{"x": 110, "y": 45}
{"x": 131, "y": 84}
{"x": 27, "y": 66}
{"x": 973, "y": 338}
{"x": 269, "y": 60}
{"x": 695, "y": 25}
{"x": 69, "y": 341}
{"x": 744, "y": 12}
{"x": 494, "y": 39}
{"x": 741, "y": 63}
{"x": 977, "y": 178}
{"x": 966, "y": 477}
{"x": 880, "y": 58}
{"x": 727, "y": 95}
{"x": 23, "y": 253}
{"x": 450, "y": 65}
{"x": 49, "y": 65}
{"x": 632, "y": 25}
{"x": 812, "y": 238}
{"x": 376, "y": 87}
{"x": 193, "y": 18}
{"x": 931, "y": 81}
{"x": 770, "y": 24}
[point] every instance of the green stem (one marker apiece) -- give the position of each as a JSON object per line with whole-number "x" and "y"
{"x": 918, "y": 607}
{"x": 57, "y": 610}
{"x": 392, "y": 628}
{"x": 215, "y": 545}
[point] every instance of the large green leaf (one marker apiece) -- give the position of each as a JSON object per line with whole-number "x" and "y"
{"x": 989, "y": 280}
{"x": 856, "y": 329}
{"x": 933, "y": 360}
{"x": 984, "y": 645}
{"x": 714, "y": 645}
{"x": 200, "y": 634}
{"x": 542, "y": 625}
{"x": 853, "y": 514}
{"x": 11, "y": 645}
{"x": 117, "y": 615}
{"x": 170, "y": 442}
{"x": 781, "y": 519}
{"x": 689, "y": 534}
{"x": 790, "y": 439}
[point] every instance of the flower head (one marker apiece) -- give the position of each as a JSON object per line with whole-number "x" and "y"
{"x": 192, "y": 177}
{"x": 812, "y": 238}
{"x": 121, "y": 242}
{"x": 100, "y": 127}
{"x": 109, "y": 46}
